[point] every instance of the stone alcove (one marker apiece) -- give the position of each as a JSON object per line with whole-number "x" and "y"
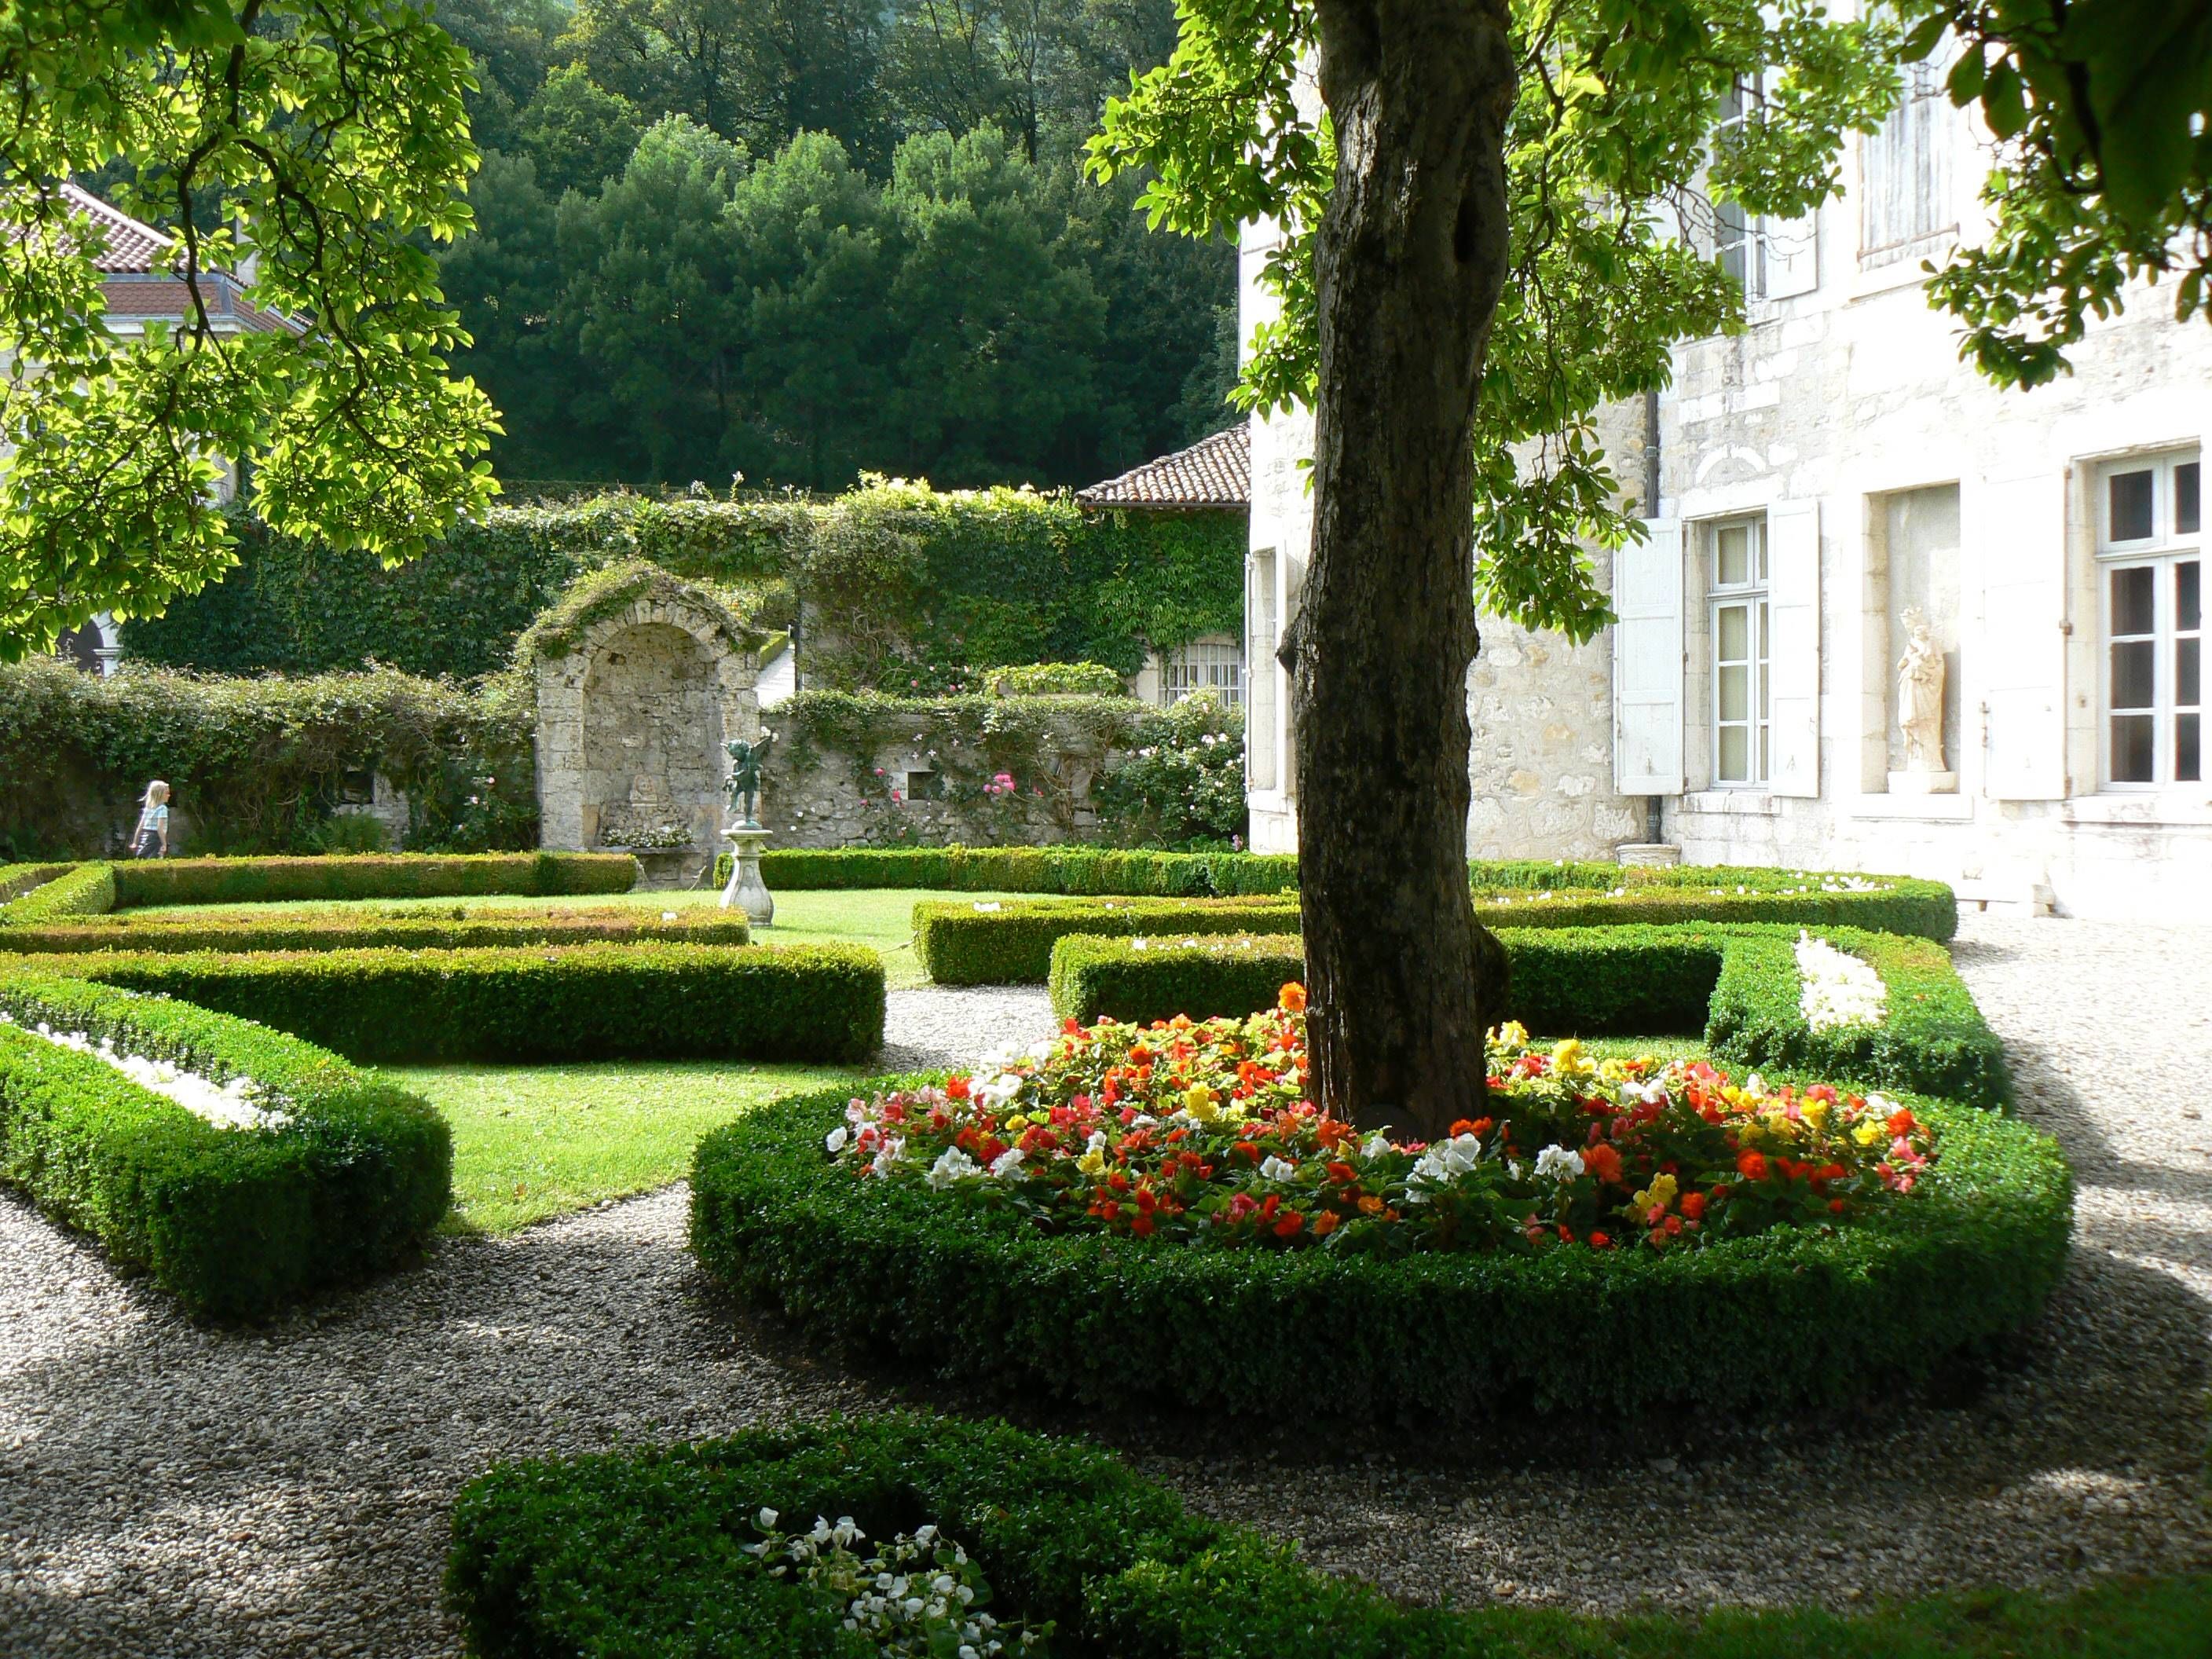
{"x": 641, "y": 680}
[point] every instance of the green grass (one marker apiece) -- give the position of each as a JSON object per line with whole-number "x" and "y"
{"x": 880, "y": 918}
{"x": 534, "y": 1142}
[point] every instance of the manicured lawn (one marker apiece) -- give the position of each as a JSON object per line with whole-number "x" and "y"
{"x": 880, "y": 918}
{"x": 534, "y": 1142}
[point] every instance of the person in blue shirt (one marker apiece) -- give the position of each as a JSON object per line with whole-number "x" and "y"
{"x": 151, "y": 839}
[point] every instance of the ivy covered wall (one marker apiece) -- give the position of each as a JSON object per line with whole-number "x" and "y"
{"x": 911, "y": 586}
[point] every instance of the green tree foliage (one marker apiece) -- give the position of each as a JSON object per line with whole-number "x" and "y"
{"x": 326, "y": 142}
{"x": 578, "y": 134}
{"x": 1614, "y": 165}
{"x": 2105, "y": 177}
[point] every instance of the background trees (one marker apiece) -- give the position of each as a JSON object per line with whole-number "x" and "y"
{"x": 893, "y": 263}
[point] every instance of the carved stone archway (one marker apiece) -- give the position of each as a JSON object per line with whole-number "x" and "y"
{"x": 651, "y": 677}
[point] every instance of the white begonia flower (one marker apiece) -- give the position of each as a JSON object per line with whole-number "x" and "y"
{"x": 889, "y": 1156}
{"x": 1558, "y": 1163}
{"x": 1041, "y": 1050}
{"x": 835, "y": 1139}
{"x": 1008, "y": 1164}
{"x": 1000, "y": 1090}
{"x": 1375, "y": 1146}
{"x": 1277, "y": 1169}
{"x": 1446, "y": 1161}
{"x": 952, "y": 1164}
{"x": 767, "y": 1518}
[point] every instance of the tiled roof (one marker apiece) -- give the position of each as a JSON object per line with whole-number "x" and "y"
{"x": 131, "y": 246}
{"x": 1214, "y": 473}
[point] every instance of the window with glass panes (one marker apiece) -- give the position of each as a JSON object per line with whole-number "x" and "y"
{"x": 1736, "y": 554}
{"x": 1735, "y": 238}
{"x": 1215, "y": 666}
{"x": 2150, "y": 573}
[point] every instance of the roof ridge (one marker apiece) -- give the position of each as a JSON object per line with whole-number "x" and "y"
{"x": 1215, "y": 471}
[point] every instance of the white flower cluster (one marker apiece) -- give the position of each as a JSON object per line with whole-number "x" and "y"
{"x": 1837, "y": 987}
{"x": 1445, "y": 1162}
{"x": 241, "y": 1104}
{"x": 915, "y": 1598}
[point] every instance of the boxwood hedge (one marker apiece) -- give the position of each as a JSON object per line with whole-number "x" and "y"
{"x": 233, "y": 1222}
{"x": 69, "y": 893}
{"x": 821, "y": 1003}
{"x": 638, "y": 1552}
{"x": 1025, "y": 870}
{"x": 1738, "y": 985}
{"x": 991, "y": 942}
{"x": 1797, "y": 1313}
{"x": 17, "y": 879}
{"x": 370, "y": 876}
{"x": 459, "y": 928}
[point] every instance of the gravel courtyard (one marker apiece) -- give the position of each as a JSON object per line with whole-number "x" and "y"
{"x": 169, "y": 1491}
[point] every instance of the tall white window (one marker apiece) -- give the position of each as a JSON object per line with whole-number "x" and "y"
{"x": 2150, "y": 518}
{"x": 1215, "y": 666}
{"x": 1736, "y": 554}
{"x": 1735, "y": 236}
{"x": 1906, "y": 202}
{"x": 1260, "y": 737}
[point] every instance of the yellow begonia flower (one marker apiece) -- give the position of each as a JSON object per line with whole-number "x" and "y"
{"x": 1568, "y": 1061}
{"x": 1199, "y": 1104}
{"x": 1511, "y": 1034}
{"x": 1869, "y": 1132}
{"x": 1658, "y": 1195}
{"x": 1092, "y": 1162}
{"x": 1613, "y": 1073}
{"x": 1815, "y": 1112}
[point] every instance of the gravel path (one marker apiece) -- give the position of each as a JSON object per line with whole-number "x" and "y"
{"x": 167, "y": 1491}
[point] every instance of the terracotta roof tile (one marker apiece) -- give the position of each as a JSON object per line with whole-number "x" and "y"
{"x": 131, "y": 246}
{"x": 1214, "y": 473}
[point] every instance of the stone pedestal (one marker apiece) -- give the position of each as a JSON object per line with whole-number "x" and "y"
{"x": 746, "y": 890}
{"x": 1923, "y": 783}
{"x": 1648, "y": 854}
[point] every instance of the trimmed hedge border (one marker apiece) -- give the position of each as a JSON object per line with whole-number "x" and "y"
{"x": 366, "y": 876}
{"x": 637, "y": 1552}
{"x": 418, "y": 930}
{"x": 1011, "y": 943}
{"x": 74, "y": 892}
{"x": 234, "y": 1223}
{"x": 531, "y": 1005}
{"x": 1796, "y": 1314}
{"x": 1064, "y": 870}
{"x": 1738, "y": 985}
{"x": 17, "y": 879}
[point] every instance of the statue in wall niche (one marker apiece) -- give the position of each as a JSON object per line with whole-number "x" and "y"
{"x": 1920, "y": 695}
{"x": 743, "y": 789}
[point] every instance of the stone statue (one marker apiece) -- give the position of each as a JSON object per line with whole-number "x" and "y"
{"x": 1920, "y": 696}
{"x": 744, "y": 786}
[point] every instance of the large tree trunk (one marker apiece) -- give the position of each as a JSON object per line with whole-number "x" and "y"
{"x": 1412, "y": 258}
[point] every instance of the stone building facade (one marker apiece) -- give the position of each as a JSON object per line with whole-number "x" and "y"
{"x": 1821, "y": 476}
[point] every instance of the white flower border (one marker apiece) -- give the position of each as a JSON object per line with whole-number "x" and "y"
{"x": 241, "y": 1104}
{"x": 1836, "y": 987}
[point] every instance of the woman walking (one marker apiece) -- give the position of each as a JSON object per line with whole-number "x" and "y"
{"x": 151, "y": 839}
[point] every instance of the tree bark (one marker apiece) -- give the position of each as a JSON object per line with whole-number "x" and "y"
{"x": 1411, "y": 261}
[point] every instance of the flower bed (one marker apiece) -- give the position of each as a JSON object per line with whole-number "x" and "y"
{"x": 1743, "y": 986}
{"x": 457, "y": 928}
{"x": 1158, "y": 1211}
{"x": 324, "y": 1175}
{"x": 637, "y": 1552}
{"x": 814, "y": 1003}
{"x": 1011, "y": 942}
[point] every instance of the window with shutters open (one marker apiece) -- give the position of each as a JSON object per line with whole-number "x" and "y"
{"x": 1768, "y": 258}
{"x": 2150, "y": 579}
{"x": 1742, "y": 636}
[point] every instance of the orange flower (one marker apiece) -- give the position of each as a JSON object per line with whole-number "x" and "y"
{"x": 1751, "y": 1166}
{"x": 1694, "y": 1206}
{"x": 1370, "y": 1205}
{"x": 1287, "y": 1225}
{"x": 1603, "y": 1162}
{"x": 1600, "y": 1241}
{"x": 1325, "y": 1224}
{"x": 1292, "y": 998}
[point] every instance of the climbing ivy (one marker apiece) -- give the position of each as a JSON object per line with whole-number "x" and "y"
{"x": 912, "y": 587}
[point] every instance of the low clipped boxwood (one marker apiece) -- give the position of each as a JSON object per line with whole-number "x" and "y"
{"x": 370, "y": 876}
{"x": 66, "y": 894}
{"x": 17, "y": 879}
{"x": 460, "y": 930}
{"x": 989, "y": 943}
{"x": 1063, "y": 870}
{"x": 638, "y": 1552}
{"x": 234, "y": 1223}
{"x": 1737, "y": 986}
{"x": 1010, "y": 942}
{"x": 814, "y": 1003}
{"x": 1795, "y": 1314}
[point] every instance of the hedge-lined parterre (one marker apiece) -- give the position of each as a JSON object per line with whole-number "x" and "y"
{"x": 642, "y": 1551}
{"x": 17, "y": 879}
{"x": 459, "y": 928}
{"x": 1740, "y": 987}
{"x": 1065, "y": 870}
{"x": 370, "y": 876}
{"x": 339, "y": 1177}
{"x": 529, "y": 1005}
{"x": 955, "y": 1262}
{"x": 1010, "y": 942}
{"x": 66, "y": 894}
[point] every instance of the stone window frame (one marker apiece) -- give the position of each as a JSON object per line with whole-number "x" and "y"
{"x": 2174, "y": 541}
{"x": 1752, "y": 593}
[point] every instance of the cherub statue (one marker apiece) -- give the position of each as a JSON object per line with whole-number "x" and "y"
{"x": 1920, "y": 696}
{"x": 743, "y": 790}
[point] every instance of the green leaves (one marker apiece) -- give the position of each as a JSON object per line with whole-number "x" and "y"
{"x": 299, "y": 156}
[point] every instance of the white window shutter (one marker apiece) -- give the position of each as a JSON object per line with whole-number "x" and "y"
{"x": 2022, "y": 543}
{"x": 1791, "y": 255}
{"x": 1647, "y": 663}
{"x": 1793, "y": 673}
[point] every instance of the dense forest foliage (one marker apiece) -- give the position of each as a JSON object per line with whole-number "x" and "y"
{"x": 799, "y": 240}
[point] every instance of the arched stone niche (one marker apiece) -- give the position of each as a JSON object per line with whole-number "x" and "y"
{"x": 631, "y": 721}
